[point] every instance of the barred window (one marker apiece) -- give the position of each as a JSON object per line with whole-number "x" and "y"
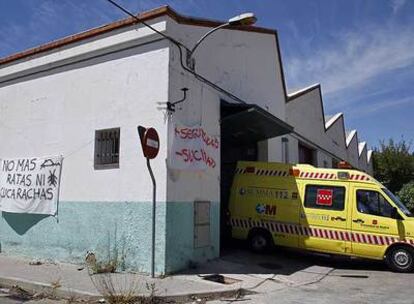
{"x": 107, "y": 148}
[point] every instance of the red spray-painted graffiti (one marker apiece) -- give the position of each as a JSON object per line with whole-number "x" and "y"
{"x": 193, "y": 149}
{"x": 194, "y": 133}
{"x": 189, "y": 155}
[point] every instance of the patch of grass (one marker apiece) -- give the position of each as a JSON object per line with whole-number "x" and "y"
{"x": 115, "y": 256}
{"x": 95, "y": 267}
{"x": 123, "y": 289}
{"x": 117, "y": 288}
{"x": 18, "y": 293}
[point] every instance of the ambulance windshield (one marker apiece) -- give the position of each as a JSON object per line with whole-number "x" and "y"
{"x": 397, "y": 201}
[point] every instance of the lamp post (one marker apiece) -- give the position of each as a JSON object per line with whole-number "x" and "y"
{"x": 243, "y": 19}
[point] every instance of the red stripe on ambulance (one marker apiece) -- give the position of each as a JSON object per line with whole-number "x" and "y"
{"x": 277, "y": 227}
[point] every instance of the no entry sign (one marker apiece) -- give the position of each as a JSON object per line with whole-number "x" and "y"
{"x": 150, "y": 142}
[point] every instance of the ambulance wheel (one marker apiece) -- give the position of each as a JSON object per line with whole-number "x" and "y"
{"x": 260, "y": 240}
{"x": 401, "y": 259}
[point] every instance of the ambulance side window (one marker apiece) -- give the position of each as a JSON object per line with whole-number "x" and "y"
{"x": 372, "y": 202}
{"x": 325, "y": 197}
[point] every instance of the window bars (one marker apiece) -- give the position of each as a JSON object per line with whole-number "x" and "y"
{"x": 107, "y": 148}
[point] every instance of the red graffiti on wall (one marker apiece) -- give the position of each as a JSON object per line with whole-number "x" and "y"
{"x": 193, "y": 133}
{"x": 195, "y": 155}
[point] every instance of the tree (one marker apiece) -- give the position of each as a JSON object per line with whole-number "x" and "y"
{"x": 393, "y": 164}
{"x": 406, "y": 194}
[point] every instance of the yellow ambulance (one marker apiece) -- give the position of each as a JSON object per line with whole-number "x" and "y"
{"x": 336, "y": 211}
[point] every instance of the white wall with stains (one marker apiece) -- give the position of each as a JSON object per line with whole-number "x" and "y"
{"x": 352, "y": 149}
{"x": 363, "y": 158}
{"x": 336, "y": 138}
{"x": 51, "y": 104}
{"x": 245, "y": 64}
{"x": 304, "y": 111}
{"x": 56, "y": 112}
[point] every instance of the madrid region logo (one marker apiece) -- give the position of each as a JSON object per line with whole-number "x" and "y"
{"x": 265, "y": 209}
{"x": 260, "y": 208}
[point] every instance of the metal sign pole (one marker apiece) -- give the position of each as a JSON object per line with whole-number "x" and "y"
{"x": 154, "y": 191}
{"x": 150, "y": 142}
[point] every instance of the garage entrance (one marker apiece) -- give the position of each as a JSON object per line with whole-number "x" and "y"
{"x": 242, "y": 127}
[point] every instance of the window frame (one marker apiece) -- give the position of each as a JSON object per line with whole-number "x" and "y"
{"x": 98, "y": 165}
{"x": 322, "y": 207}
{"x": 379, "y": 209}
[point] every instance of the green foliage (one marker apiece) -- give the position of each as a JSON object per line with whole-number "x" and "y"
{"x": 406, "y": 195}
{"x": 393, "y": 164}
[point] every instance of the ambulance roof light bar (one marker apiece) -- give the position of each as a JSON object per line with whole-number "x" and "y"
{"x": 294, "y": 172}
{"x": 343, "y": 175}
{"x": 344, "y": 165}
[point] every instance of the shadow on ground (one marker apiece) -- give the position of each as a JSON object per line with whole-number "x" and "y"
{"x": 237, "y": 259}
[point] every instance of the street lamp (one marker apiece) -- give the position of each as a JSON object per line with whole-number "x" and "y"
{"x": 245, "y": 19}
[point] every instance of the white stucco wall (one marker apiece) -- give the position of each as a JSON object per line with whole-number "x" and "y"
{"x": 324, "y": 160}
{"x": 352, "y": 151}
{"x": 335, "y": 136}
{"x": 109, "y": 81}
{"x": 245, "y": 64}
{"x": 362, "y": 161}
{"x": 115, "y": 80}
{"x": 202, "y": 107}
{"x": 370, "y": 165}
{"x": 305, "y": 114}
{"x": 57, "y": 112}
{"x": 293, "y": 150}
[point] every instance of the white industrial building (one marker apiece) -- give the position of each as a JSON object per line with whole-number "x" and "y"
{"x": 71, "y": 96}
{"x": 319, "y": 139}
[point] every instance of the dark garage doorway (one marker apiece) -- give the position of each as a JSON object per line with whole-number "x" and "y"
{"x": 242, "y": 127}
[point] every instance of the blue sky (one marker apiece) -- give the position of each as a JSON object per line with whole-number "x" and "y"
{"x": 361, "y": 51}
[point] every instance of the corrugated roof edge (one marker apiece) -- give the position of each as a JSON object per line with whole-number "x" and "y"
{"x": 361, "y": 146}
{"x": 301, "y": 92}
{"x": 350, "y": 136}
{"x": 148, "y": 15}
{"x": 369, "y": 156}
{"x": 331, "y": 121}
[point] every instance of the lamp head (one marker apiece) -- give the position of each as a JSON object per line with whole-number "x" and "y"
{"x": 243, "y": 19}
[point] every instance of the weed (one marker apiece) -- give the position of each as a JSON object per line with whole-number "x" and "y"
{"x": 116, "y": 288}
{"x": 114, "y": 260}
{"x": 56, "y": 284}
{"x": 72, "y": 298}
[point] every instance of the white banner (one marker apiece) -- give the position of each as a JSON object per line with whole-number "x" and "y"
{"x": 193, "y": 149}
{"x": 30, "y": 185}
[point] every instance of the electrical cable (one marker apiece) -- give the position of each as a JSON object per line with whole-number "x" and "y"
{"x": 147, "y": 24}
{"x": 202, "y": 78}
{"x": 179, "y": 45}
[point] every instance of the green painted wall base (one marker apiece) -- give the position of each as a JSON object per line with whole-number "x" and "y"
{"x": 180, "y": 250}
{"x": 115, "y": 229}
